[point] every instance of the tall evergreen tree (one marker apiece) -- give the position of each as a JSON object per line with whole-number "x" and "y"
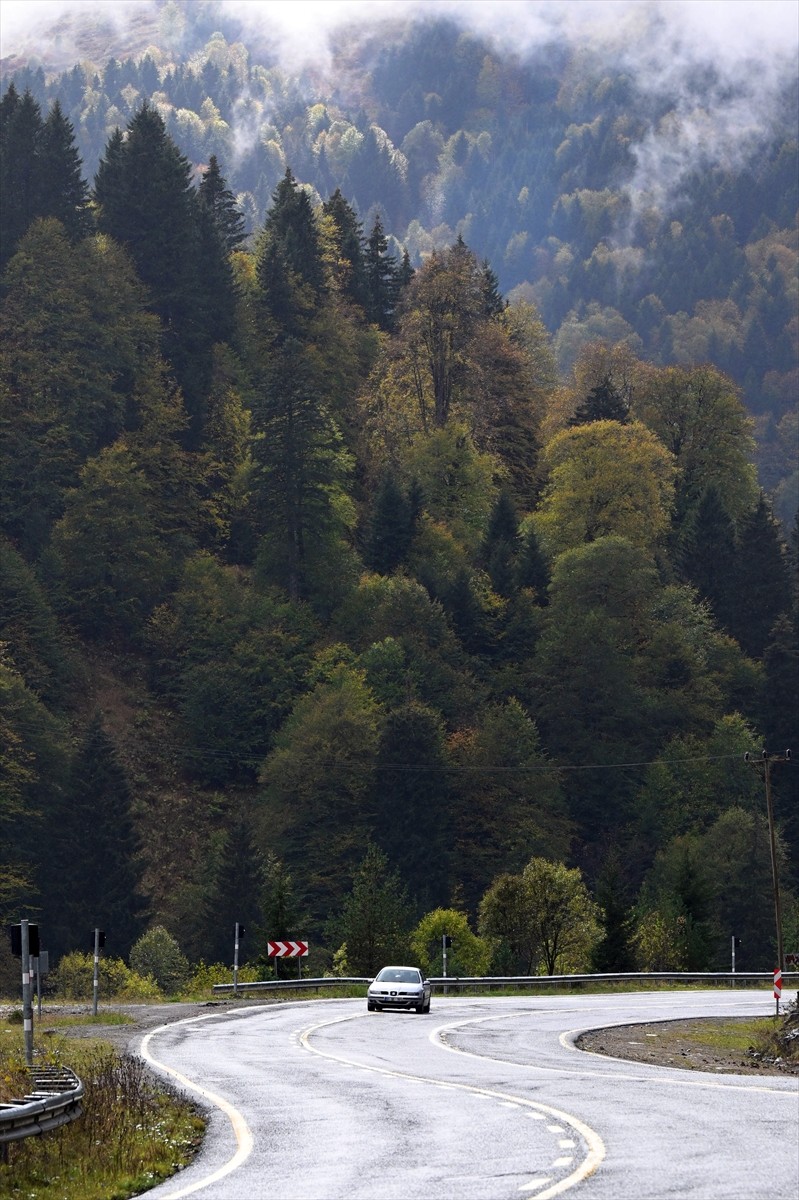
{"x": 147, "y": 203}
{"x": 615, "y": 951}
{"x": 412, "y": 823}
{"x": 376, "y": 916}
{"x": 501, "y": 545}
{"x": 238, "y": 895}
{"x": 532, "y": 570}
{"x": 290, "y": 243}
{"x": 381, "y": 278}
{"x": 349, "y": 239}
{"x": 216, "y": 197}
{"x": 603, "y": 403}
{"x": 706, "y": 555}
{"x": 95, "y": 877}
{"x": 763, "y": 590}
{"x": 20, "y": 168}
{"x": 390, "y": 527}
{"x": 64, "y": 192}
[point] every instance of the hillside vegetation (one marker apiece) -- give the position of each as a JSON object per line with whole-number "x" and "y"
{"x": 384, "y": 541}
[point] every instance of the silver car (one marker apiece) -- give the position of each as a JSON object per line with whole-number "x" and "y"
{"x": 399, "y": 987}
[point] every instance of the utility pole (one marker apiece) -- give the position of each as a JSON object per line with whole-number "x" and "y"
{"x": 767, "y": 759}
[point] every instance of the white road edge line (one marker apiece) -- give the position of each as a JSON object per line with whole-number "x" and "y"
{"x": 241, "y": 1130}
{"x": 596, "y": 1147}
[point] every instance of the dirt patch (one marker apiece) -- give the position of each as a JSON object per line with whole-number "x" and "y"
{"x": 679, "y": 1044}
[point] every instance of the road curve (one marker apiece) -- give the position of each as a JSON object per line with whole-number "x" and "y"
{"x": 482, "y": 1099}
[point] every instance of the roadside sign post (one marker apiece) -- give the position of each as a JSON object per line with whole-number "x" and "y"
{"x": 27, "y": 1006}
{"x": 238, "y": 932}
{"x": 289, "y": 949}
{"x": 778, "y": 988}
{"x": 25, "y": 946}
{"x": 99, "y": 940}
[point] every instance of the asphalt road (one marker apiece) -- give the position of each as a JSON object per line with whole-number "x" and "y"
{"x": 482, "y": 1099}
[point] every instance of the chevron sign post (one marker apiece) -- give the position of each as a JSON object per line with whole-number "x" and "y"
{"x": 287, "y": 949}
{"x": 778, "y": 988}
{"x": 296, "y": 950}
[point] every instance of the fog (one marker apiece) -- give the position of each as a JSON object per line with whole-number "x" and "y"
{"x": 666, "y": 45}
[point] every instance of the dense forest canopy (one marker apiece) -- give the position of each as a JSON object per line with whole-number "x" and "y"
{"x": 407, "y": 486}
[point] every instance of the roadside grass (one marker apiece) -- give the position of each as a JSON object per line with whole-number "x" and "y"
{"x": 736, "y": 1035}
{"x": 134, "y": 1131}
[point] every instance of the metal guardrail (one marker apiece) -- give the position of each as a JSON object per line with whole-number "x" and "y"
{"x": 463, "y": 983}
{"x": 55, "y": 1102}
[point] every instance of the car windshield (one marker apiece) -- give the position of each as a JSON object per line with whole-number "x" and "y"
{"x": 398, "y": 975}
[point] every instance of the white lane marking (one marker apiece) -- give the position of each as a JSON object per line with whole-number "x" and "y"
{"x": 534, "y": 1184}
{"x": 568, "y": 1040}
{"x": 596, "y": 1147}
{"x": 244, "y": 1141}
{"x": 439, "y": 1037}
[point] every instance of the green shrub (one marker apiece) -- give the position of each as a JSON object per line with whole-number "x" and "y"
{"x": 158, "y": 955}
{"x": 205, "y": 975}
{"x": 73, "y": 979}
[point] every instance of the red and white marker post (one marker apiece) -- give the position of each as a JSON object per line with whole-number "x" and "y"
{"x": 778, "y": 988}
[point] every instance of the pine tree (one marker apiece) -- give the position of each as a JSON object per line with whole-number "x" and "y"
{"x": 706, "y": 555}
{"x": 95, "y": 878}
{"x": 412, "y": 821}
{"x": 147, "y": 203}
{"x": 290, "y": 228}
{"x": 615, "y": 951}
{"x": 216, "y": 197}
{"x": 381, "y": 278}
{"x": 64, "y": 192}
{"x": 349, "y": 240}
{"x": 763, "y": 590}
{"x": 501, "y": 545}
{"x": 390, "y": 527}
{"x": 376, "y": 916}
{"x": 238, "y": 894}
{"x": 532, "y": 570}
{"x": 603, "y": 403}
{"x": 20, "y": 169}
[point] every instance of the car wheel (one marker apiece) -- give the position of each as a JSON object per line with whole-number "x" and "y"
{"x": 426, "y": 1007}
{"x": 420, "y": 1008}
{"x": 371, "y": 1006}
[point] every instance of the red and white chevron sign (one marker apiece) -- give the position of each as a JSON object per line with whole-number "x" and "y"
{"x": 286, "y": 949}
{"x": 777, "y": 984}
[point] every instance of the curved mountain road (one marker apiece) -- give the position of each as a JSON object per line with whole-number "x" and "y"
{"x": 482, "y": 1099}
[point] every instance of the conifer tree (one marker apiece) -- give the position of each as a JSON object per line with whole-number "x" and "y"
{"x": 216, "y": 197}
{"x": 376, "y": 916}
{"x": 95, "y": 878}
{"x": 381, "y": 278}
{"x": 412, "y": 817}
{"x": 501, "y": 545}
{"x": 706, "y": 555}
{"x": 604, "y": 402}
{"x": 238, "y": 894}
{"x": 64, "y": 192}
{"x": 532, "y": 570}
{"x": 763, "y": 589}
{"x": 147, "y": 203}
{"x": 390, "y": 527}
{"x": 349, "y": 238}
{"x": 20, "y": 168}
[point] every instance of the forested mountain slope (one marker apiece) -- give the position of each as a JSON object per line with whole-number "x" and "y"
{"x": 389, "y": 481}
{"x": 627, "y": 200}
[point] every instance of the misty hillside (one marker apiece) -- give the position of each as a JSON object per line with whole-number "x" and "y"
{"x": 656, "y": 212}
{"x": 397, "y": 489}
